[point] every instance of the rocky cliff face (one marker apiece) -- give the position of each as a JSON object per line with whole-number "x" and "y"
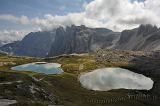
{"x": 145, "y": 37}
{"x": 80, "y": 39}
{"x": 36, "y": 44}
{"x": 74, "y": 39}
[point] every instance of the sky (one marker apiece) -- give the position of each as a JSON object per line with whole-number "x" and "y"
{"x": 19, "y": 17}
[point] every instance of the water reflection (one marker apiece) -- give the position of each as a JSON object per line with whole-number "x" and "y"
{"x": 114, "y": 78}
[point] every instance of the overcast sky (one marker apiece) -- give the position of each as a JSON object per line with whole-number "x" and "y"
{"x": 19, "y": 17}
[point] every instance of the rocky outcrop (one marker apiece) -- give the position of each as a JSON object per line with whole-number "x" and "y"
{"x": 15, "y": 86}
{"x": 81, "y": 39}
{"x": 108, "y": 55}
{"x": 36, "y": 44}
{"x": 74, "y": 39}
{"x": 145, "y": 37}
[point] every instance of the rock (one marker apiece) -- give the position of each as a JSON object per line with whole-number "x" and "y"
{"x": 145, "y": 38}
{"x": 36, "y": 44}
{"x": 81, "y": 39}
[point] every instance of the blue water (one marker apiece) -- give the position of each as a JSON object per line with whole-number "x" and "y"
{"x": 46, "y": 68}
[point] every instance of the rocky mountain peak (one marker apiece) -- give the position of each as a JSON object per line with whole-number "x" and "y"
{"x": 81, "y": 39}
{"x": 60, "y": 29}
{"x": 146, "y": 29}
{"x": 145, "y": 37}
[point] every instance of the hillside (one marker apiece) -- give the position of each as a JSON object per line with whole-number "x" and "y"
{"x": 35, "y": 44}
{"x": 145, "y": 38}
{"x": 81, "y": 39}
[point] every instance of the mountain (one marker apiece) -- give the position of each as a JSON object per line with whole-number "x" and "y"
{"x": 1, "y": 43}
{"x": 11, "y": 47}
{"x": 81, "y": 39}
{"x": 74, "y": 39}
{"x": 36, "y": 44}
{"x": 145, "y": 38}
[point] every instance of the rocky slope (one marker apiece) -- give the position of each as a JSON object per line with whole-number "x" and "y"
{"x": 11, "y": 47}
{"x": 81, "y": 39}
{"x": 35, "y": 44}
{"x": 146, "y": 63}
{"x": 74, "y": 39}
{"x": 145, "y": 37}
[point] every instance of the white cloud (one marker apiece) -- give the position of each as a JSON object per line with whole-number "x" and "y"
{"x": 8, "y": 36}
{"x": 50, "y": 22}
{"x": 124, "y": 14}
{"x": 22, "y": 20}
{"x": 113, "y": 14}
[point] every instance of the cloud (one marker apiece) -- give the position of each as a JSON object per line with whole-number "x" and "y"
{"x": 124, "y": 14}
{"x": 63, "y": 7}
{"x": 22, "y": 20}
{"x": 113, "y": 14}
{"x": 8, "y": 36}
{"x": 50, "y": 22}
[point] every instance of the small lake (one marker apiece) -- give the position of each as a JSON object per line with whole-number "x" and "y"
{"x": 106, "y": 79}
{"x": 40, "y": 67}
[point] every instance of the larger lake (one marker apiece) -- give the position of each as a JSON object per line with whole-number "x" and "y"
{"x": 40, "y": 67}
{"x": 114, "y": 78}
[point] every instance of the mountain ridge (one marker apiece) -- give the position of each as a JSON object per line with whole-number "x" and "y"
{"x": 140, "y": 38}
{"x": 73, "y": 39}
{"x": 82, "y": 39}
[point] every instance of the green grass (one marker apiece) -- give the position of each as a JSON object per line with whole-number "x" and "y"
{"x": 71, "y": 91}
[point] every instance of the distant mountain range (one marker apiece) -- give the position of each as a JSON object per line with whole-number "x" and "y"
{"x": 81, "y": 39}
{"x": 36, "y": 44}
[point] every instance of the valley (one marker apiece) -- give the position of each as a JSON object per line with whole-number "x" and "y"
{"x": 31, "y": 88}
{"x": 79, "y": 53}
